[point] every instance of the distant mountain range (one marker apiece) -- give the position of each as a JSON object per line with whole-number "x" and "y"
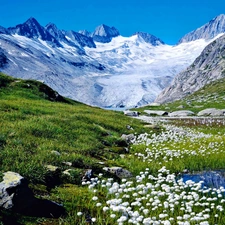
{"x": 101, "y": 68}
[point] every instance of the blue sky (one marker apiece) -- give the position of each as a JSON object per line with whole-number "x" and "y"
{"x": 166, "y": 19}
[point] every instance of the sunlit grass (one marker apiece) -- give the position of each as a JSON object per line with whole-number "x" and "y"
{"x": 34, "y": 125}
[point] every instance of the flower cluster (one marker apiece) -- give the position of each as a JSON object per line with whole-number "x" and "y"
{"x": 162, "y": 199}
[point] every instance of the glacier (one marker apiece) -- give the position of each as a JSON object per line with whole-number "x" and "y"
{"x": 113, "y": 73}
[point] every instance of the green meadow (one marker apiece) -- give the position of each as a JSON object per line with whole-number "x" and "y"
{"x": 41, "y": 128}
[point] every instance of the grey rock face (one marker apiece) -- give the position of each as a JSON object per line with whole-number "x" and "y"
{"x": 32, "y": 29}
{"x": 16, "y": 196}
{"x": 82, "y": 39}
{"x": 104, "y": 33}
{"x": 208, "y": 31}
{"x": 148, "y": 38}
{"x": 209, "y": 66}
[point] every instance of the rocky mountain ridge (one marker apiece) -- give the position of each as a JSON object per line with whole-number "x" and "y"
{"x": 209, "y": 66}
{"x": 208, "y": 31}
{"x": 101, "y": 68}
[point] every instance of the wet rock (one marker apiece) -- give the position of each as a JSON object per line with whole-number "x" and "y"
{"x": 16, "y": 196}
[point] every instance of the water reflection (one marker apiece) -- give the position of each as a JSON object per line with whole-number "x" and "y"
{"x": 212, "y": 179}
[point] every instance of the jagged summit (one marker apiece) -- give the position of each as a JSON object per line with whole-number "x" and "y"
{"x": 32, "y": 29}
{"x": 148, "y": 38}
{"x": 208, "y": 31}
{"x": 104, "y": 33}
{"x": 54, "y": 31}
{"x": 128, "y": 71}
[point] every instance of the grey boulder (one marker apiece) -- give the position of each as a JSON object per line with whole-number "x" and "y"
{"x": 16, "y": 196}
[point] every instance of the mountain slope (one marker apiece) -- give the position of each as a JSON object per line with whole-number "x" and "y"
{"x": 209, "y": 66}
{"x": 208, "y": 31}
{"x": 115, "y": 72}
{"x": 138, "y": 71}
{"x": 32, "y": 29}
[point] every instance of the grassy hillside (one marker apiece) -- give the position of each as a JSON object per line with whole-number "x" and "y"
{"x": 210, "y": 96}
{"x": 40, "y": 128}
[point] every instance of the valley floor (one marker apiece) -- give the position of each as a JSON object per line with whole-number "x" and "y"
{"x": 163, "y": 191}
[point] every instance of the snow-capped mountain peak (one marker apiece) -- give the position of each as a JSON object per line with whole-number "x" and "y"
{"x": 32, "y": 29}
{"x": 102, "y": 68}
{"x": 148, "y": 38}
{"x": 104, "y": 33}
{"x": 208, "y": 31}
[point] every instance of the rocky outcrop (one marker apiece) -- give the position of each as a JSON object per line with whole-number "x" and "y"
{"x": 212, "y": 112}
{"x": 16, "y": 196}
{"x": 209, "y": 66}
{"x": 118, "y": 172}
{"x": 181, "y": 113}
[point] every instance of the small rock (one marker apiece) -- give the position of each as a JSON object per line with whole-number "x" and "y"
{"x": 118, "y": 171}
{"x": 67, "y": 172}
{"x": 52, "y": 168}
{"x": 129, "y": 138}
{"x": 67, "y": 163}
{"x": 129, "y": 127}
{"x": 55, "y": 152}
{"x": 180, "y": 107}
